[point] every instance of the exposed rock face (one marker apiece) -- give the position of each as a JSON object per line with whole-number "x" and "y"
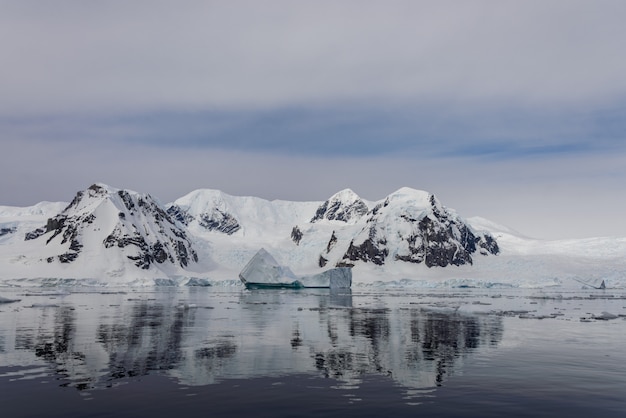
{"x": 372, "y": 249}
{"x": 215, "y": 220}
{"x": 7, "y": 231}
{"x": 179, "y": 214}
{"x": 35, "y": 234}
{"x": 296, "y": 235}
{"x": 134, "y": 223}
{"x": 331, "y": 242}
{"x": 487, "y": 244}
{"x": 345, "y": 206}
{"x": 219, "y": 221}
{"x": 412, "y": 226}
{"x": 324, "y": 257}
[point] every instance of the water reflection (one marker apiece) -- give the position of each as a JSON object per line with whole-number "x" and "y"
{"x": 200, "y": 337}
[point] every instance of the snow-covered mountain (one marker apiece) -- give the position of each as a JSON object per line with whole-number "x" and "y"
{"x": 111, "y": 233}
{"x": 106, "y": 235}
{"x": 113, "y": 236}
{"x": 409, "y": 226}
{"x": 412, "y": 226}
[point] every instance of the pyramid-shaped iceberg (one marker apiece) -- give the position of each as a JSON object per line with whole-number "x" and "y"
{"x": 264, "y": 272}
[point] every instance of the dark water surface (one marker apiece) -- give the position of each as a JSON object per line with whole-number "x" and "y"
{"x": 232, "y": 352}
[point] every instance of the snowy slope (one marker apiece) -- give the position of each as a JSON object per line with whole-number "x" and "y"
{"x": 529, "y": 262}
{"x": 15, "y": 222}
{"x": 231, "y": 229}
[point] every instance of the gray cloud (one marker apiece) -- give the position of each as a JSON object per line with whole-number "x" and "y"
{"x": 118, "y": 55}
{"x": 512, "y": 110}
{"x": 435, "y": 132}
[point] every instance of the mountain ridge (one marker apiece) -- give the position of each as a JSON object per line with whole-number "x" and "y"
{"x": 111, "y": 236}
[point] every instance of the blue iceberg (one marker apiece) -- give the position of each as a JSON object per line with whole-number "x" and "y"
{"x": 264, "y": 272}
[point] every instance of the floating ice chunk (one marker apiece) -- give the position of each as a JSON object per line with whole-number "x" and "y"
{"x": 605, "y": 316}
{"x": 336, "y": 278}
{"x": 592, "y": 283}
{"x": 7, "y": 300}
{"x": 263, "y": 271}
{"x": 197, "y": 281}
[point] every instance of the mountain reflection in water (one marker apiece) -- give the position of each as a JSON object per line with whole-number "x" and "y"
{"x": 204, "y": 336}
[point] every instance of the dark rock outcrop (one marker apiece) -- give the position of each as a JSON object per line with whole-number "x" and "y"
{"x": 372, "y": 250}
{"x": 7, "y": 231}
{"x": 344, "y": 206}
{"x": 177, "y": 213}
{"x": 35, "y": 234}
{"x": 219, "y": 221}
{"x": 296, "y": 235}
{"x": 215, "y": 220}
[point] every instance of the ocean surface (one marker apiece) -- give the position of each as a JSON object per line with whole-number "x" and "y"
{"x": 369, "y": 352}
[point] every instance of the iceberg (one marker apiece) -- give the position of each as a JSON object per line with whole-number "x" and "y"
{"x": 7, "y": 300}
{"x": 264, "y": 272}
{"x": 335, "y": 278}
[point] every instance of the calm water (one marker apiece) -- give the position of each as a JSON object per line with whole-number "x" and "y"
{"x": 228, "y": 351}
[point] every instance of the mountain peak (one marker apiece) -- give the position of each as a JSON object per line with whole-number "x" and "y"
{"x": 413, "y": 196}
{"x": 127, "y": 222}
{"x": 346, "y": 195}
{"x": 344, "y": 206}
{"x": 201, "y": 197}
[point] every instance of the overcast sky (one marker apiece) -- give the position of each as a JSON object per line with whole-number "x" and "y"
{"x": 510, "y": 110}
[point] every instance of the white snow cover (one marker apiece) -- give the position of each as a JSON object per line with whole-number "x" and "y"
{"x": 17, "y": 221}
{"x": 38, "y": 211}
{"x": 522, "y": 262}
